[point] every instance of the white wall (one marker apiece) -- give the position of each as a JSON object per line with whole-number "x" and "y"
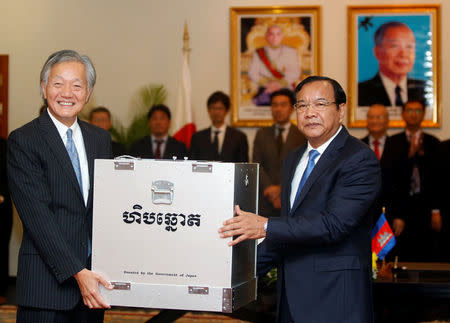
{"x": 137, "y": 42}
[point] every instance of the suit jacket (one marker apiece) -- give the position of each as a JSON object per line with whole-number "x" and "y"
{"x": 57, "y": 225}
{"x": 143, "y": 148}
{"x": 381, "y": 201}
{"x": 373, "y": 92}
{"x": 234, "y": 147}
{"x": 265, "y": 152}
{"x": 6, "y": 220}
{"x": 118, "y": 149}
{"x": 323, "y": 245}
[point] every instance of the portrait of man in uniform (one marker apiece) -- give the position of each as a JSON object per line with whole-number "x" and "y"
{"x": 270, "y": 50}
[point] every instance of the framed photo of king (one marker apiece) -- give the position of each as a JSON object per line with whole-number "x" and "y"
{"x": 271, "y": 48}
{"x": 394, "y": 54}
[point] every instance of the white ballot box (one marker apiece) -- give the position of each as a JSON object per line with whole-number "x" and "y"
{"x": 155, "y": 233}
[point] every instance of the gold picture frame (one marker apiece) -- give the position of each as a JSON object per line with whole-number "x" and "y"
{"x": 295, "y": 58}
{"x": 372, "y": 69}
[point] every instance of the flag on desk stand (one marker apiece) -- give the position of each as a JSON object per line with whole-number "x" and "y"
{"x": 383, "y": 239}
{"x": 184, "y": 126}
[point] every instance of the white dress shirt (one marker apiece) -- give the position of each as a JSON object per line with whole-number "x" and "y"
{"x": 220, "y": 135}
{"x": 304, "y": 161}
{"x": 390, "y": 86}
{"x": 381, "y": 143}
{"x": 162, "y": 148}
{"x": 77, "y": 137}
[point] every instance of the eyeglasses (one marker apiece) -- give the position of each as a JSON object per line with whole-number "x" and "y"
{"x": 318, "y": 105}
{"x": 411, "y": 111}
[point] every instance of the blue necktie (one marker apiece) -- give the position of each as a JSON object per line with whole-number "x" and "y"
{"x": 73, "y": 155}
{"x": 311, "y": 163}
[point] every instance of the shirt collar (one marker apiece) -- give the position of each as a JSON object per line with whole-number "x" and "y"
{"x": 163, "y": 138}
{"x": 220, "y": 129}
{"x": 324, "y": 146}
{"x": 62, "y": 128}
{"x": 381, "y": 141}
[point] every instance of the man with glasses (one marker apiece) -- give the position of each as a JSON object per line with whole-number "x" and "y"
{"x": 408, "y": 165}
{"x": 395, "y": 51}
{"x": 321, "y": 243}
{"x": 270, "y": 148}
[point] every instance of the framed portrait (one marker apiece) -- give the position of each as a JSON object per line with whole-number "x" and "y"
{"x": 271, "y": 48}
{"x": 394, "y": 54}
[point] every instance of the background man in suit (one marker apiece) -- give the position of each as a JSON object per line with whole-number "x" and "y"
{"x": 101, "y": 117}
{"x": 219, "y": 142}
{"x": 408, "y": 169}
{"x": 6, "y": 223}
{"x": 274, "y": 66}
{"x": 159, "y": 145}
{"x": 395, "y": 50}
{"x": 377, "y": 124}
{"x": 50, "y": 171}
{"x": 321, "y": 242}
{"x": 270, "y": 148}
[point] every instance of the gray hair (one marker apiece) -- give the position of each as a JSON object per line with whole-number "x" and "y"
{"x": 67, "y": 55}
{"x": 381, "y": 31}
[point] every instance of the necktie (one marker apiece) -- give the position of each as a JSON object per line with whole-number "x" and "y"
{"x": 279, "y": 140}
{"x": 376, "y": 148}
{"x": 73, "y": 155}
{"x": 398, "y": 97}
{"x": 216, "y": 144}
{"x": 311, "y": 163}
{"x": 158, "y": 149}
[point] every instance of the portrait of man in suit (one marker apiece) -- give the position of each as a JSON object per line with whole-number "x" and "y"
{"x": 219, "y": 142}
{"x": 395, "y": 52}
{"x": 50, "y": 172}
{"x": 321, "y": 243}
{"x": 159, "y": 145}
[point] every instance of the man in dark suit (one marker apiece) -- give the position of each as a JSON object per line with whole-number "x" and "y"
{"x": 270, "y": 148}
{"x": 377, "y": 124}
{"x": 101, "y": 117}
{"x": 219, "y": 142}
{"x": 408, "y": 169}
{"x": 159, "y": 145}
{"x": 6, "y": 223}
{"x": 50, "y": 172}
{"x": 321, "y": 243}
{"x": 395, "y": 47}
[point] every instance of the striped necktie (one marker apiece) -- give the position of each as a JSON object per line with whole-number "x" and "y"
{"x": 73, "y": 155}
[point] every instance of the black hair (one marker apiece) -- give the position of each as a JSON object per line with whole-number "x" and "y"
{"x": 159, "y": 107}
{"x": 339, "y": 93}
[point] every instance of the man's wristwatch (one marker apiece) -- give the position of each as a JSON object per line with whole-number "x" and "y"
{"x": 265, "y": 226}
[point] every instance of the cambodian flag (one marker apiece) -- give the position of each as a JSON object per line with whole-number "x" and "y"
{"x": 383, "y": 239}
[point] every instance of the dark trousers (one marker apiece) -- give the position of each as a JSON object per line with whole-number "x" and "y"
{"x": 80, "y": 314}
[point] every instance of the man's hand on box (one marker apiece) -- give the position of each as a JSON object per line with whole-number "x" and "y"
{"x": 246, "y": 225}
{"x": 88, "y": 283}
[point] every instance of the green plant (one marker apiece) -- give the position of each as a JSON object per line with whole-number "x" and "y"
{"x": 146, "y": 97}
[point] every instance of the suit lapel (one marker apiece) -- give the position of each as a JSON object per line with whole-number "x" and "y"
{"x": 226, "y": 140}
{"x": 89, "y": 146}
{"x": 325, "y": 162}
{"x": 53, "y": 139}
{"x": 292, "y": 168}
